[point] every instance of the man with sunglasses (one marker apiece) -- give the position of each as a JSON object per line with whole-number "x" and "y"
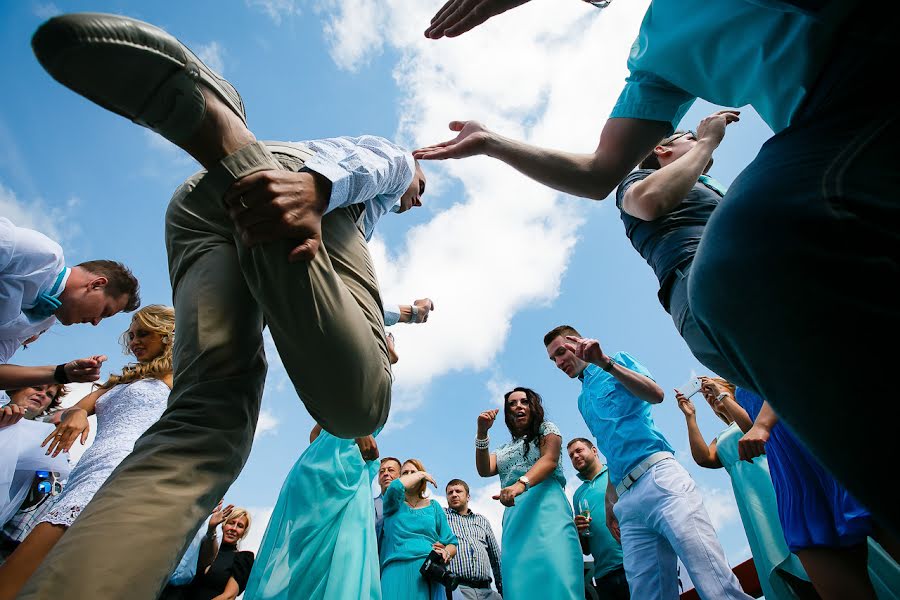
{"x": 665, "y": 206}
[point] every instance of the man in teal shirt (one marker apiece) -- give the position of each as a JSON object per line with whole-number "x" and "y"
{"x": 596, "y": 539}
{"x": 796, "y": 265}
{"x": 652, "y": 504}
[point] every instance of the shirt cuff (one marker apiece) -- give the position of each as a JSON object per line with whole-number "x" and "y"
{"x": 391, "y": 315}
{"x": 338, "y": 177}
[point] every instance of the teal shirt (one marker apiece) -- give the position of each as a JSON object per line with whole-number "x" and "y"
{"x": 605, "y": 550}
{"x": 410, "y": 532}
{"x": 619, "y": 421}
{"x": 728, "y": 52}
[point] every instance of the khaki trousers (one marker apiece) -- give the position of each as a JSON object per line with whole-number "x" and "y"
{"x": 326, "y": 320}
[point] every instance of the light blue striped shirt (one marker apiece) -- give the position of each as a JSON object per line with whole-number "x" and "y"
{"x": 367, "y": 169}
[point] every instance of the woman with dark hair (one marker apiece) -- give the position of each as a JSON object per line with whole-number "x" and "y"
{"x": 780, "y": 573}
{"x": 541, "y": 552}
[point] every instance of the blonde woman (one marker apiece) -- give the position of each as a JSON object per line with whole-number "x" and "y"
{"x": 226, "y": 576}
{"x": 126, "y": 405}
{"x": 414, "y": 525}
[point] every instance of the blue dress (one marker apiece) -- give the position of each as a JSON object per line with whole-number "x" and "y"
{"x": 541, "y": 553}
{"x": 320, "y": 542}
{"x": 814, "y": 509}
{"x": 406, "y": 541}
{"x": 758, "y": 507}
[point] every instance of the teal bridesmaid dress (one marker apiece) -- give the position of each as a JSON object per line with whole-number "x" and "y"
{"x": 758, "y": 508}
{"x": 320, "y": 542}
{"x": 541, "y": 555}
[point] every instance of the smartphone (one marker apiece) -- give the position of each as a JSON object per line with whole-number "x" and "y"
{"x": 691, "y": 387}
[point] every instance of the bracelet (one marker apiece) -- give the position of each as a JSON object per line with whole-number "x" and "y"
{"x": 60, "y": 376}
{"x": 609, "y": 365}
{"x": 483, "y": 444}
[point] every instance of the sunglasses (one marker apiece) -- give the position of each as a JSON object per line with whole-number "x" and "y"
{"x": 599, "y": 3}
{"x": 680, "y": 135}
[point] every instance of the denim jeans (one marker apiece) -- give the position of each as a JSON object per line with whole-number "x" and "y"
{"x": 796, "y": 278}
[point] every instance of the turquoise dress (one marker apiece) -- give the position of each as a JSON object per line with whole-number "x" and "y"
{"x": 406, "y": 541}
{"x": 541, "y": 553}
{"x": 320, "y": 542}
{"x": 756, "y": 502}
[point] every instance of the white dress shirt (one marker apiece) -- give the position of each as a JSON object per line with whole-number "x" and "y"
{"x": 30, "y": 262}
{"x": 366, "y": 169}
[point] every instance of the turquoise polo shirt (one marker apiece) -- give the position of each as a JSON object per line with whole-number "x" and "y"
{"x": 620, "y": 421}
{"x": 607, "y": 552}
{"x": 729, "y": 52}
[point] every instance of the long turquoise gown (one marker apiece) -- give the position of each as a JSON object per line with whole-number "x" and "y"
{"x": 406, "y": 542}
{"x": 541, "y": 555}
{"x": 758, "y": 508}
{"x": 320, "y": 542}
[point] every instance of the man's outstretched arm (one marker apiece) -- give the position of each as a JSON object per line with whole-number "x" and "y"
{"x": 623, "y": 144}
{"x": 459, "y": 16}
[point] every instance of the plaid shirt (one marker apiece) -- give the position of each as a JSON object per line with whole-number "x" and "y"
{"x": 25, "y": 519}
{"x": 477, "y": 552}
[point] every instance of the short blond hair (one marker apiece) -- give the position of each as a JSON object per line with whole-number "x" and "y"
{"x": 236, "y": 513}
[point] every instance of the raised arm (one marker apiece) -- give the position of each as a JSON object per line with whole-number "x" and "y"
{"x": 82, "y": 370}
{"x": 623, "y": 144}
{"x": 703, "y": 454}
{"x": 459, "y": 16}
{"x": 417, "y": 312}
{"x": 485, "y": 460}
{"x": 637, "y": 383}
{"x": 663, "y": 190}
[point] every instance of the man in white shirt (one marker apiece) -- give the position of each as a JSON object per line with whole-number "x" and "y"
{"x": 273, "y": 233}
{"x": 37, "y": 290}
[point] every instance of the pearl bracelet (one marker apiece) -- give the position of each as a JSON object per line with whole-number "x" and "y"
{"x": 482, "y": 444}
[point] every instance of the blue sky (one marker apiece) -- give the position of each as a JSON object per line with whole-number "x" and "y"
{"x": 503, "y": 259}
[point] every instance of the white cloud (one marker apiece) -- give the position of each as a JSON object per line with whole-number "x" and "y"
{"x": 277, "y": 10}
{"x": 497, "y": 386}
{"x": 267, "y": 424}
{"x": 213, "y": 54}
{"x": 720, "y": 505}
{"x": 54, "y": 222}
{"x": 546, "y": 75}
{"x": 45, "y": 10}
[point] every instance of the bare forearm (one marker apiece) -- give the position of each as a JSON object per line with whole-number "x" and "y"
{"x": 563, "y": 171}
{"x": 664, "y": 189}
{"x": 483, "y": 462}
{"x": 16, "y": 376}
{"x": 737, "y": 413}
{"x": 541, "y": 470}
{"x": 640, "y": 385}
{"x": 766, "y": 417}
{"x": 699, "y": 448}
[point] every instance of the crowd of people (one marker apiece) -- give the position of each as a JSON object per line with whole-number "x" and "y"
{"x": 761, "y": 280}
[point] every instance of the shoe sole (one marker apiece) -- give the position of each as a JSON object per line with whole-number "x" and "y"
{"x": 133, "y": 69}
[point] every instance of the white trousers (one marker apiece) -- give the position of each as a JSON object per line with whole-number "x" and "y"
{"x": 662, "y": 518}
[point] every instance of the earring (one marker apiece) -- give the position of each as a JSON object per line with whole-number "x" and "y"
{"x": 165, "y": 340}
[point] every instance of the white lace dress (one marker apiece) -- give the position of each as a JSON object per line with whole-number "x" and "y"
{"x": 123, "y": 414}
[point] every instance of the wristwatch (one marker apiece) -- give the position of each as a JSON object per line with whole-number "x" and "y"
{"x": 609, "y": 365}
{"x": 413, "y": 313}
{"x": 525, "y": 481}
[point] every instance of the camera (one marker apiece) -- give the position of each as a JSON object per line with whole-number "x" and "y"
{"x": 434, "y": 569}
